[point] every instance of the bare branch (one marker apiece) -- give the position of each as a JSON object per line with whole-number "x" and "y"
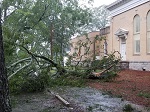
{"x": 20, "y": 61}
{"x": 19, "y": 70}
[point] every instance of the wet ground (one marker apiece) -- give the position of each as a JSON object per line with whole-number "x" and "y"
{"x": 80, "y": 99}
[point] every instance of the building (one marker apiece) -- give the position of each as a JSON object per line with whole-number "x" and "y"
{"x": 128, "y": 33}
{"x": 85, "y": 47}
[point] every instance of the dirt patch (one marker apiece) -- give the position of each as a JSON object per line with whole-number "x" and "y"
{"x": 130, "y": 85}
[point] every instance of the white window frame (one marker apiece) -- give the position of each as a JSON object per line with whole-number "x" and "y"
{"x": 148, "y": 32}
{"x": 136, "y": 34}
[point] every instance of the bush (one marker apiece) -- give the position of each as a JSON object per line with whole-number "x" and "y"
{"x": 105, "y": 62}
{"x": 71, "y": 78}
{"x": 35, "y": 84}
{"x": 15, "y": 84}
{"x": 19, "y": 84}
{"x": 128, "y": 108}
{"x": 79, "y": 73}
{"x": 96, "y": 64}
{"x": 67, "y": 81}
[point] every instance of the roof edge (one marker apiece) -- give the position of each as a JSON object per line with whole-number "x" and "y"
{"x": 116, "y": 4}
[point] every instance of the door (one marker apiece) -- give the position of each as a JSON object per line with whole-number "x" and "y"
{"x": 123, "y": 49}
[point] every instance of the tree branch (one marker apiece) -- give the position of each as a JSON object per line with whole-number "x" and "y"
{"x": 19, "y": 70}
{"x": 18, "y": 62}
{"x": 59, "y": 68}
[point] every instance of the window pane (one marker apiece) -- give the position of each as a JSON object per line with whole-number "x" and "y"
{"x": 137, "y": 44}
{"x": 148, "y": 42}
{"x": 136, "y": 24}
{"x": 137, "y": 37}
{"x": 148, "y": 21}
{"x": 148, "y": 45}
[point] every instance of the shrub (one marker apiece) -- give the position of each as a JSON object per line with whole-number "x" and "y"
{"x": 72, "y": 78}
{"x": 30, "y": 83}
{"x": 15, "y": 84}
{"x": 79, "y": 73}
{"x": 109, "y": 76}
{"x": 106, "y": 62}
{"x": 128, "y": 108}
{"x": 33, "y": 84}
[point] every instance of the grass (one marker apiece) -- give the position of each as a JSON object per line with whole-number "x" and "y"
{"x": 14, "y": 102}
{"x": 144, "y": 94}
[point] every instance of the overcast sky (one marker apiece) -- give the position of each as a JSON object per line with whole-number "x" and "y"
{"x": 102, "y": 2}
{"x": 99, "y": 2}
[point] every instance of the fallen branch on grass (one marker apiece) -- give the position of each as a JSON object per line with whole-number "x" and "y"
{"x": 60, "y": 98}
{"x": 101, "y": 74}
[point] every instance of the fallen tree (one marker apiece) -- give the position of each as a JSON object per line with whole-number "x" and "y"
{"x": 60, "y": 69}
{"x": 107, "y": 64}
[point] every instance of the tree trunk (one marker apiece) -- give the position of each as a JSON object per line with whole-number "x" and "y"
{"x": 4, "y": 91}
{"x": 51, "y": 40}
{"x": 94, "y": 52}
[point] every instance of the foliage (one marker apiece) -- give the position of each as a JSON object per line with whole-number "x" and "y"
{"x": 108, "y": 76}
{"x": 30, "y": 83}
{"x": 105, "y": 62}
{"x": 44, "y": 28}
{"x": 71, "y": 78}
{"x": 128, "y": 108}
{"x": 99, "y": 19}
{"x": 35, "y": 23}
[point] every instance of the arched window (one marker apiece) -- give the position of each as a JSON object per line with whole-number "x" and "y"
{"x": 148, "y": 32}
{"x": 136, "y": 34}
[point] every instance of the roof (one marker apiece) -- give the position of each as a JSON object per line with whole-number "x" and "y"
{"x": 120, "y": 6}
{"x": 117, "y": 4}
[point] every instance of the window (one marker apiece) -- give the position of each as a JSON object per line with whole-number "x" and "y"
{"x": 136, "y": 34}
{"x": 148, "y": 32}
{"x": 105, "y": 48}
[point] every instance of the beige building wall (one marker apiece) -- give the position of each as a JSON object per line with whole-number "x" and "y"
{"x": 125, "y": 21}
{"x": 119, "y": 22}
{"x": 78, "y": 50}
